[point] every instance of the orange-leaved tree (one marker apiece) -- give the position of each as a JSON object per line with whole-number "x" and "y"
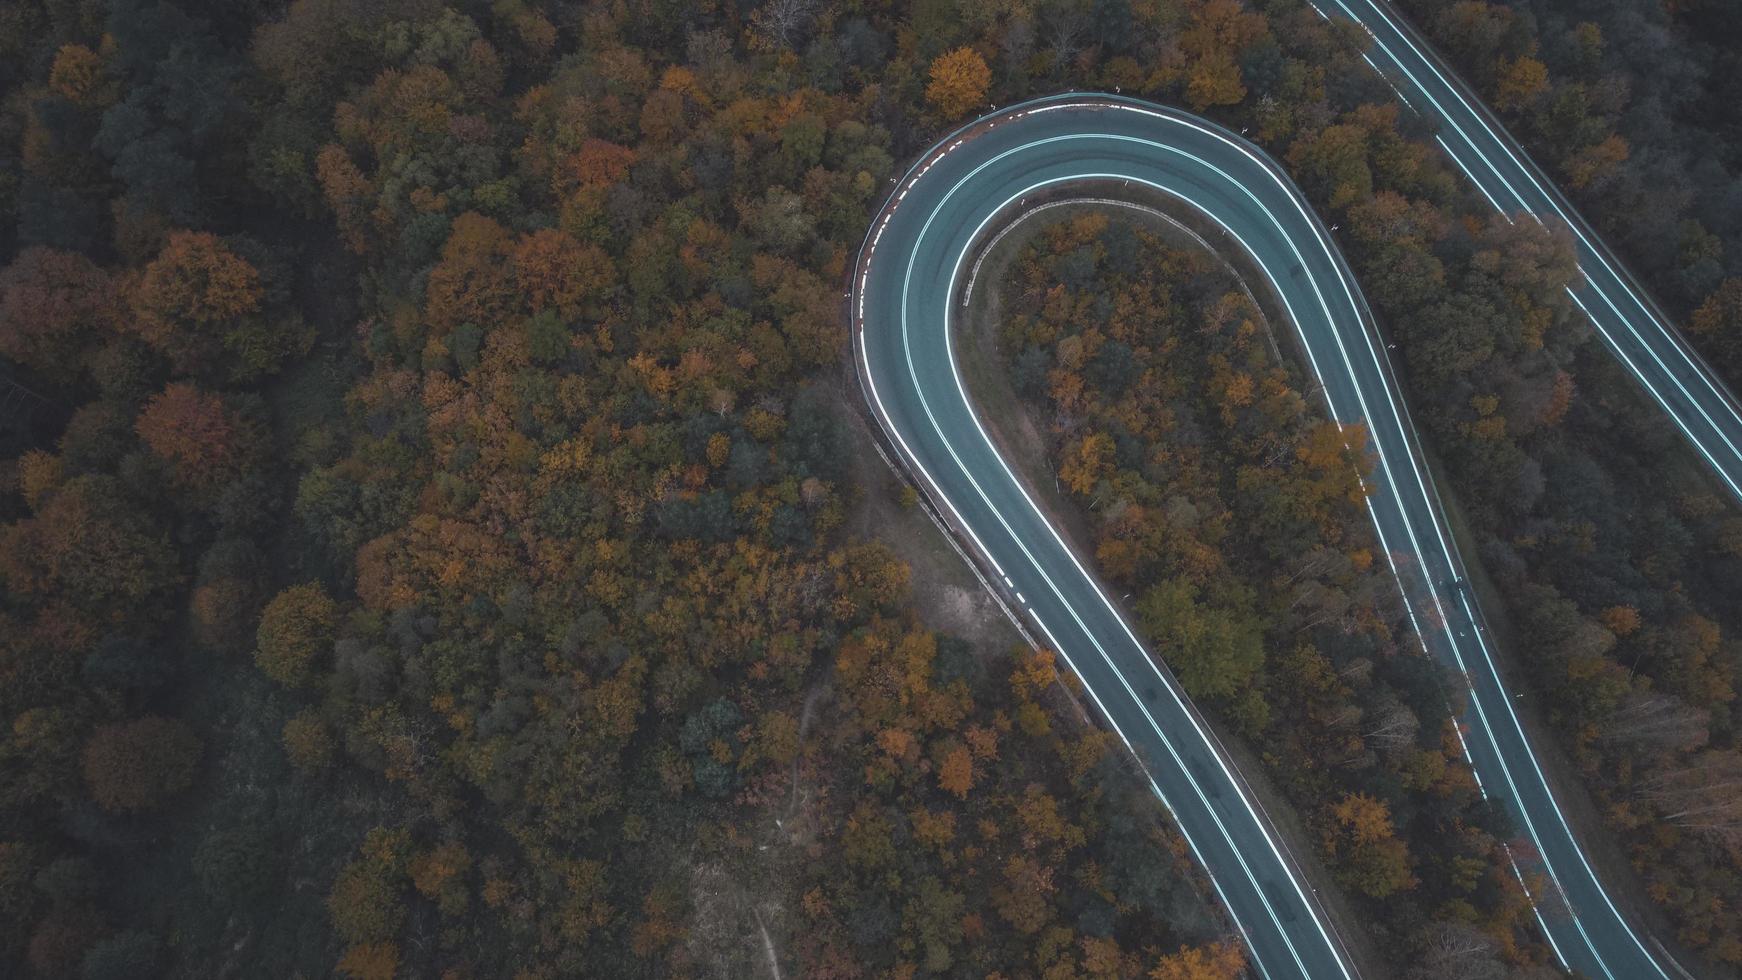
{"x": 959, "y": 80}
{"x": 191, "y": 293}
{"x": 1371, "y": 858}
{"x": 556, "y": 272}
{"x": 205, "y": 443}
{"x": 957, "y": 773}
{"x": 1223, "y": 961}
{"x": 473, "y": 281}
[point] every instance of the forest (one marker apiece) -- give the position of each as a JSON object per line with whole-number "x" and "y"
{"x": 1227, "y": 504}
{"x": 428, "y": 481}
{"x": 1632, "y": 107}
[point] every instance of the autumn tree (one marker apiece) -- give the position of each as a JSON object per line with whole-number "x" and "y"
{"x": 1022, "y": 896}
{"x": 38, "y": 475}
{"x": 956, "y": 775}
{"x": 137, "y": 765}
{"x": 473, "y": 283}
{"x": 959, "y": 80}
{"x": 228, "y": 591}
{"x": 1596, "y": 163}
{"x": 1623, "y": 621}
{"x": 87, "y": 543}
{"x": 364, "y": 902}
{"x": 937, "y": 911}
{"x": 1718, "y": 320}
{"x": 295, "y": 629}
{"x": 1215, "y": 80}
{"x": 1371, "y": 858}
{"x": 1336, "y": 458}
{"x": 1521, "y": 81}
{"x": 1332, "y": 163}
{"x": 195, "y": 285}
{"x": 555, "y": 272}
{"x": 54, "y": 307}
{"x": 349, "y": 194}
{"x": 596, "y": 165}
{"x": 439, "y": 873}
{"x": 1085, "y": 465}
{"x": 77, "y": 75}
{"x": 199, "y": 303}
{"x": 205, "y": 443}
{"x": 1217, "y": 33}
{"x": 868, "y": 576}
{"x": 1223, "y": 961}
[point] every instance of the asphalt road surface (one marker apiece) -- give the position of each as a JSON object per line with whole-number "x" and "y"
{"x": 907, "y": 288}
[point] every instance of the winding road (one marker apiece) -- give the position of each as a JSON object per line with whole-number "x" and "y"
{"x": 1629, "y": 322}
{"x": 906, "y": 291}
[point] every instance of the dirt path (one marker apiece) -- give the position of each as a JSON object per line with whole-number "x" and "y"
{"x": 950, "y": 597}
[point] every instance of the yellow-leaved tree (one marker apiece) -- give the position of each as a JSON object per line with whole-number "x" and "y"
{"x": 959, "y": 80}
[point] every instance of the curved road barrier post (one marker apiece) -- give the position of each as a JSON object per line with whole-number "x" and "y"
{"x": 904, "y": 288}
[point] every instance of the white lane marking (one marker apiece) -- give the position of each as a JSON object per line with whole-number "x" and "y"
{"x": 1407, "y": 522}
{"x": 1649, "y": 387}
{"x": 1433, "y": 589}
{"x": 1385, "y": 78}
{"x": 865, "y": 356}
{"x": 1311, "y": 356}
{"x": 1071, "y": 555}
{"x": 1554, "y": 201}
{"x": 1522, "y": 204}
{"x": 1451, "y": 636}
{"x": 1126, "y": 627}
{"x": 1574, "y": 226}
{"x": 1403, "y": 512}
{"x": 1441, "y": 140}
{"x": 1089, "y": 634}
{"x": 1594, "y": 249}
{"x": 1156, "y": 789}
{"x": 882, "y": 409}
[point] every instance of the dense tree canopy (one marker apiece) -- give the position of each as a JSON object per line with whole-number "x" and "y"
{"x": 1234, "y": 515}
{"x": 434, "y": 539}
